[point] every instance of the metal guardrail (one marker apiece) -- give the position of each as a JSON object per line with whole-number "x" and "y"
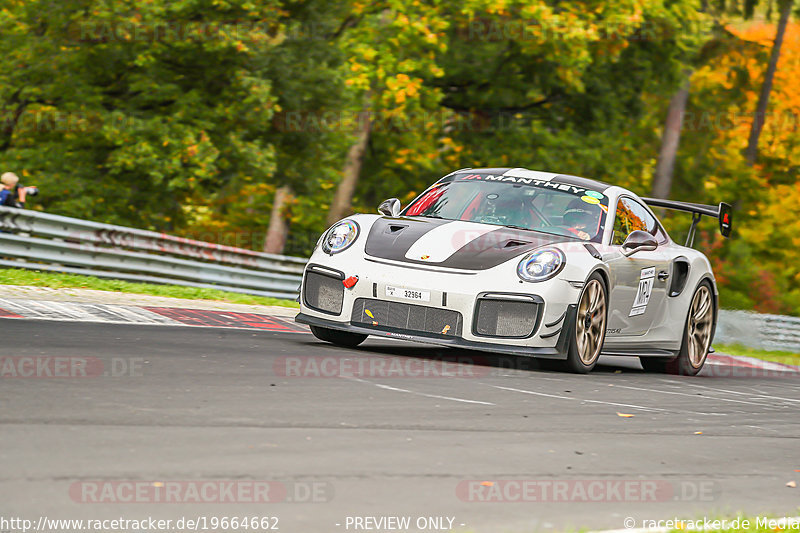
{"x": 764, "y": 332}
{"x": 30, "y": 239}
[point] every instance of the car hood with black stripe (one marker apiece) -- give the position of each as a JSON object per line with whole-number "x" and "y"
{"x": 451, "y": 243}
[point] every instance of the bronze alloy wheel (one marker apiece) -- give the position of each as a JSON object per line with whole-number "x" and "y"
{"x": 591, "y": 322}
{"x": 699, "y": 326}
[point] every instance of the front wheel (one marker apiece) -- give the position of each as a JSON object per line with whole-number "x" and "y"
{"x": 590, "y": 327}
{"x": 337, "y": 337}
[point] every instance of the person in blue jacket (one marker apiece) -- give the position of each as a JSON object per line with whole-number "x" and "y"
{"x": 11, "y": 193}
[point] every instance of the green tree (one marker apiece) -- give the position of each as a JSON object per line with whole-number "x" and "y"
{"x": 391, "y": 50}
{"x": 132, "y": 111}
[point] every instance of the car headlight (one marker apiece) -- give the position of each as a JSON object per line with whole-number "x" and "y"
{"x": 541, "y": 265}
{"x": 340, "y": 237}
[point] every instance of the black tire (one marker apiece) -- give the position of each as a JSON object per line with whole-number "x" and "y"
{"x": 590, "y": 326}
{"x": 697, "y": 331}
{"x": 339, "y": 338}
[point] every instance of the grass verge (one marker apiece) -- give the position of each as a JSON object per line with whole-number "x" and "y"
{"x": 776, "y": 356}
{"x": 56, "y": 280}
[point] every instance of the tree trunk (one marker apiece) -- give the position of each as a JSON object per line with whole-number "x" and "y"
{"x": 341, "y": 205}
{"x": 278, "y": 229}
{"x": 670, "y": 141}
{"x": 760, "y": 117}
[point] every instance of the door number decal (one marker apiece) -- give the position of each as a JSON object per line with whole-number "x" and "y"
{"x": 646, "y": 280}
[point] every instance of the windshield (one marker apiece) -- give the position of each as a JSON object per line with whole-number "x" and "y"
{"x": 526, "y": 203}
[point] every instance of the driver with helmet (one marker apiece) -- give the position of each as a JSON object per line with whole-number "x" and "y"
{"x": 582, "y": 219}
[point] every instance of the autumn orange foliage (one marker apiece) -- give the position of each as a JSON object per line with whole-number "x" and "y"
{"x": 763, "y": 265}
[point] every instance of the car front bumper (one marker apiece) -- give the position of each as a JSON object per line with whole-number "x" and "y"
{"x": 457, "y": 308}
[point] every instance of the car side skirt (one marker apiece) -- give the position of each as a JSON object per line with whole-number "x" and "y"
{"x": 644, "y": 352}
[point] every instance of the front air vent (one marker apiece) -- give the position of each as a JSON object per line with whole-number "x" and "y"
{"x": 323, "y": 290}
{"x": 399, "y": 316}
{"x": 506, "y": 315}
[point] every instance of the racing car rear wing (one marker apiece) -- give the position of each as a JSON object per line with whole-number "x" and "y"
{"x": 721, "y": 212}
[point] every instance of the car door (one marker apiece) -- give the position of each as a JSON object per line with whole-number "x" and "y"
{"x": 639, "y": 282}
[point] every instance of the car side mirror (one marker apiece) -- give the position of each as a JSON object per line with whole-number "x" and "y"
{"x": 390, "y": 207}
{"x": 638, "y": 241}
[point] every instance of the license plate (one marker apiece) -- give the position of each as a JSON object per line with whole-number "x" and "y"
{"x": 408, "y": 294}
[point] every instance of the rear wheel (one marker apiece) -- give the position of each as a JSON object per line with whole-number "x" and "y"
{"x": 590, "y": 326}
{"x": 339, "y": 338}
{"x": 696, "y": 337}
{"x": 697, "y": 334}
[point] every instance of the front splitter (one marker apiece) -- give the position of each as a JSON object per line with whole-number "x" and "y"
{"x": 557, "y": 352}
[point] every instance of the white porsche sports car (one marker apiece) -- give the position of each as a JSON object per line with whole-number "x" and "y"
{"x": 516, "y": 261}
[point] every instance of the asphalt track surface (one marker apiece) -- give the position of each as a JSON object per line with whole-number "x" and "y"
{"x": 213, "y": 405}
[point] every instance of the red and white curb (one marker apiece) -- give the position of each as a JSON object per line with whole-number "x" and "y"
{"x": 739, "y": 366}
{"x": 749, "y": 362}
{"x": 718, "y": 365}
{"x": 144, "y": 315}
